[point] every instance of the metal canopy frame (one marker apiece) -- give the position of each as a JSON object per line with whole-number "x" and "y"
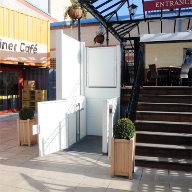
{"x": 106, "y": 12}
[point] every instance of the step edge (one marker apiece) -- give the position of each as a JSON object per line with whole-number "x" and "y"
{"x": 163, "y": 147}
{"x": 163, "y": 122}
{"x": 163, "y": 159}
{"x": 165, "y": 112}
{"x": 169, "y": 104}
{"x": 164, "y": 162}
{"x": 163, "y": 134}
{"x": 145, "y": 95}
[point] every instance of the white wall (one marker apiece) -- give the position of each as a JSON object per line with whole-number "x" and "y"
{"x": 72, "y": 109}
{"x": 57, "y": 122}
{"x": 52, "y": 120}
{"x": 57, "y": 8}
{"x": 96, "y": 95}
{"x": 16, "y": 5}
{"x": 43, "y": 4}
{"x": 68, "y": 61}
{"x": 100, "y": 66}
{"x": 108, "y": 119}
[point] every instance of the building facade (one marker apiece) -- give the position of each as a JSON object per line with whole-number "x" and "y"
{"x": 24, "y": 43}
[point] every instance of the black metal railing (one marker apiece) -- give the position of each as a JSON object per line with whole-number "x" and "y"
{"x": 138, "y": 80}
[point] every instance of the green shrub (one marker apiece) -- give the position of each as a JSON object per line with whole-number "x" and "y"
{"x": 123, "y": 129}
{"x": 26, "y": 113}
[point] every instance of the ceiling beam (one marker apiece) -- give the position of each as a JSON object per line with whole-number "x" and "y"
{"x": 117, "y": 10}
{"x": 138, "y": 29}
{"x": 131, "y": 38}
{"x": 116, "y": 27}
{"x": 100, "y": 18}
{"x": 143, "y": 9}
{"x": 188, "y": 24}
{"x": 103, "y": 4}
{"x": 124, "y": 27}
{"x": 148, "y": 28}
{"x": 161, "y": 26}
{"x": 111, "y": 6}
{"x": 174, "y": 25}
{"x": 151, "y": 19}
{"x": 132, "y": 27}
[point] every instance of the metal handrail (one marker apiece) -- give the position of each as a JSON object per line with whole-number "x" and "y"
{"x": 132, "y": 106}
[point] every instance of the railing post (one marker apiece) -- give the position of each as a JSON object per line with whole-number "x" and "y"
{"x": 79, "y": 30}
{"x": 136, "y": 87}
{"x": 122, "y": 65}
{"x": 110, "y": 129}
{"x": 107, "y": 39}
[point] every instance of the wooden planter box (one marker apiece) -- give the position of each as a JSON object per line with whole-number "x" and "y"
{"x": 122, "y": 157}
{"x": 25, "y": 132}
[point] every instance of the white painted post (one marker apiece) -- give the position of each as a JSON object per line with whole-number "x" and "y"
{"x": 111, "y": 115}
{"x": 105, "y": 126}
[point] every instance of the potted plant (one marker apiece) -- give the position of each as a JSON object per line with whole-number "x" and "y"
{"x": 24, "y": 127}
{"x": 123, "y": 148}
{"x": 99, "y": 38}
{"x": 75, "y": 11}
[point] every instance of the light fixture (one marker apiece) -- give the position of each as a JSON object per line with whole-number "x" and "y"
{"x": 124, "y": 42}
{"x": 132, "y": 9}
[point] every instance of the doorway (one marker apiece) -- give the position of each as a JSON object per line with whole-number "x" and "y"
{"x": 89, "y": 144}
{"x": 9, "y": 90}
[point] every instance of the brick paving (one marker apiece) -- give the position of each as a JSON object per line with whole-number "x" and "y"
{"x": 21, "y": 170}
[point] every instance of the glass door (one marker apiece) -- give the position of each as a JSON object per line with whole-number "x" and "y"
{"x": 9, "y": 90}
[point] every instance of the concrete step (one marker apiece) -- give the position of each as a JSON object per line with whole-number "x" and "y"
{"x": 125, "y": 98}
{"x": 164, "y": 138}
{"x": 163, "y": 126}
{"x": 165, "y": 98}
{"x": 172, "y": 107}
{"x": 171, "y": 151}
{"x": 164, "y": 163}
{"x": 164, "y": 116}
{"x": 166, "y": 90}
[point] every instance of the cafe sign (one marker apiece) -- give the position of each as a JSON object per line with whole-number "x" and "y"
{"x": 166, "y": 4}
{"x": 22, "y": 51}
{"x": 24, "y": 39}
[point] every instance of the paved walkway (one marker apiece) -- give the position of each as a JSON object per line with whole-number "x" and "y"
{"x": 21, "y": 170}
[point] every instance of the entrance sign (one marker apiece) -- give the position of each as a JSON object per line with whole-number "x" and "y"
{"x": 166, "y": 4}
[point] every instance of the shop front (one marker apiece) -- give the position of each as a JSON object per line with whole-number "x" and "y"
{"x": 24, "y": 44}
{"x": 10, "y": 92}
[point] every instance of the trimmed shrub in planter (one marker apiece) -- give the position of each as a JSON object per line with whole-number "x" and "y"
{"x": 26, "y": 113}
{"x": 123, "y": 148}
{"x": 24, "y": 127}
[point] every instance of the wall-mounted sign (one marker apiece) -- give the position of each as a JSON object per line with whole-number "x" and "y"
{"x": 22, "y": 47}
{"x": 23, "y": 39}
{"x": 166, "y": 4}
{"x": 23, "y": 51}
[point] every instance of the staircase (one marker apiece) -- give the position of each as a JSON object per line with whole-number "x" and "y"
{"x": 164, "y": 128}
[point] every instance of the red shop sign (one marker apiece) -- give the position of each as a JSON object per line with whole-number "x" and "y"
{"x": 166, "y": 4}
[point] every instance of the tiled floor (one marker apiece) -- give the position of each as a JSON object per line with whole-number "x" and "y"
{"x": 89, "y": 144}
{"x": 21, "y": 170}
